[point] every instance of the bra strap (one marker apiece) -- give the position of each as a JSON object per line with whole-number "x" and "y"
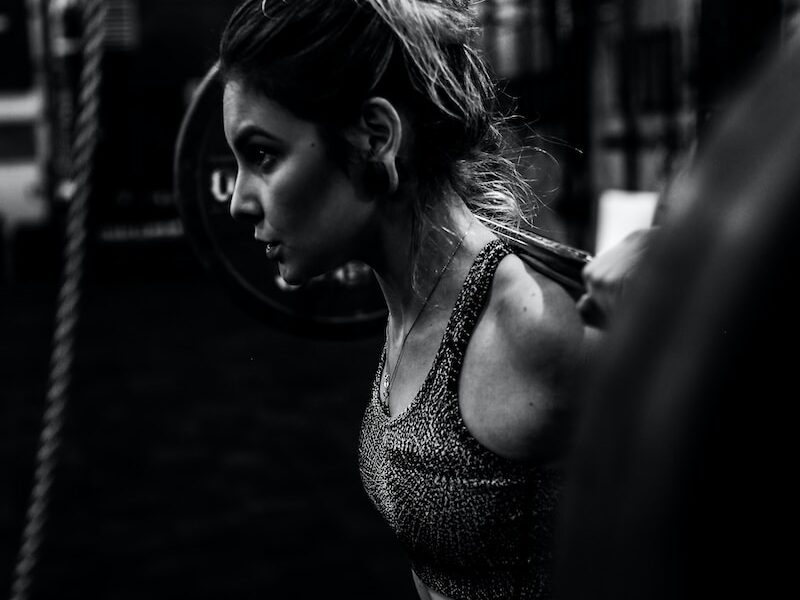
{"x": 470, "y": 304}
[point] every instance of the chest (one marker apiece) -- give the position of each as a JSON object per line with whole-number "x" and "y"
{"x": 487, "y": 383}
{"x": 442, "y": 492}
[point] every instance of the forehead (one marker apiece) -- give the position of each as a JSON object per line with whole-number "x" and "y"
{"x": 245, "y": 107}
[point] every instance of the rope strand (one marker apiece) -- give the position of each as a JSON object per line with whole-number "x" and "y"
{"x": 66, "y": 319}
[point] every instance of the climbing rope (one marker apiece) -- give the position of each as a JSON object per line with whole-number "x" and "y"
{"x": 61, "y": 360}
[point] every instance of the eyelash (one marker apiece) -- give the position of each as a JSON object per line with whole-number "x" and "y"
{"x": 261, "y": 157}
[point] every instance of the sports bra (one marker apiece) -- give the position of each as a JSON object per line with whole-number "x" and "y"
{"x": 476, "y": 526}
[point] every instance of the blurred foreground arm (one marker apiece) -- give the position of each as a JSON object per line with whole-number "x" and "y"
{"x": 608, "y": 277}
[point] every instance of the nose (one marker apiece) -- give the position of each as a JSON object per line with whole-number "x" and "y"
{"x": 245, "y": 205}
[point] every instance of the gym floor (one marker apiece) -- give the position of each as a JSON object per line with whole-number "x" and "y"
{"x": 204, "y": 454}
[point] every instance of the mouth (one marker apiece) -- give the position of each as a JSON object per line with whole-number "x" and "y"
{"x": 271, "y": 247}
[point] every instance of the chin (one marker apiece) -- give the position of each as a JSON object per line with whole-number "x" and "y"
{"x": 294, "y": 276}
{"x": 297, "y": 273}
{"x": 290, "y": 277}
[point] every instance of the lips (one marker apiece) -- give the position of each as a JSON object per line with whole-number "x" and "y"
{"x": 272, "y": 249}
{"x": 272, "y": 246}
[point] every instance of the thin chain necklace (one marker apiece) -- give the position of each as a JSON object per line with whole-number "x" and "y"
{"x": 388, "y": 379}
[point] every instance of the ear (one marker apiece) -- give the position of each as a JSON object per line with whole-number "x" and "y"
{"x": 379, "y": 134}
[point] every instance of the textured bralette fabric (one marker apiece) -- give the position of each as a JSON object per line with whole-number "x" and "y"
{"x": 475, "y": 525}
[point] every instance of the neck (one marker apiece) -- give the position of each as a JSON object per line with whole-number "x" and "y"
{"x": 406, "y": 285}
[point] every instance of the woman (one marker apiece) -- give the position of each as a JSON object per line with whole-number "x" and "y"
{"x": 363, "y": 130}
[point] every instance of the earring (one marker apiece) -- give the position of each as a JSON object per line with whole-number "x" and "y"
{"x": 264, "y": 7}
{"x": 381, "y": 179}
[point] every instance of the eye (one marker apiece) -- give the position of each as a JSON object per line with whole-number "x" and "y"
{"x": 261, "y": 157}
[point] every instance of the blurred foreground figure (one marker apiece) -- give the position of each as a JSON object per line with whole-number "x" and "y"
{"x": 681, "y": 482}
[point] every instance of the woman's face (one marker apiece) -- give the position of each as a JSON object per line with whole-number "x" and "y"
{"x": 300, "y": 201}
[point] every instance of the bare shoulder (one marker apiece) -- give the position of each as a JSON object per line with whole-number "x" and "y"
{"x": 524, "y": 364}
{"x": 537, "y": 321}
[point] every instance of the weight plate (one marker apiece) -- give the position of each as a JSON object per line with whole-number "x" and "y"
{"x": 346, "y": 302}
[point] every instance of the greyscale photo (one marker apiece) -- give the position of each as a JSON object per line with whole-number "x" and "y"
{"x": 398, "y": 299}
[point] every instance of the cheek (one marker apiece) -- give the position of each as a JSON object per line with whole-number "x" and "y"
{"x": 316, "y": 192}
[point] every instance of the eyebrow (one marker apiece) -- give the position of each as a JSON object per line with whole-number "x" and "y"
{"x": 249, "y": 131}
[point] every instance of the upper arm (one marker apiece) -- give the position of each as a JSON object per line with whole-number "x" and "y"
{"x": 543, "y": 338}
{"x": 533, "y": 347}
